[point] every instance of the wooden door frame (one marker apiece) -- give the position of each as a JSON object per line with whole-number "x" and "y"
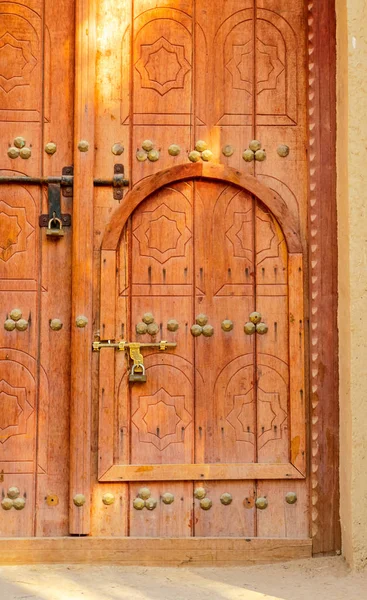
{"x": 323, "y": 351}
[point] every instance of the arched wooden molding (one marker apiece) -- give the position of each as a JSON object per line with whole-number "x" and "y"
{"x": 144, "y": 188}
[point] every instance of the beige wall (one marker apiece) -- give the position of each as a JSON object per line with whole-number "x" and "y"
{"x": 352, "y": 232}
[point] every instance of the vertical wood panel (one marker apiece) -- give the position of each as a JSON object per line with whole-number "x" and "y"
{"x": 82, "y": 284}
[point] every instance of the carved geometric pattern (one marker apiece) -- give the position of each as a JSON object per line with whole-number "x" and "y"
{"x": 162, "y": 66}
{"x": 14, "y": 230}
{"x": 268, "y": 66}
{"x": 266, "y": 232}
{"x": 271, "y": 417}
{"x": 162, "y": 234}
{"x": 14, "y": 409}
{"x": 161, "y": 419}
{"x": 241, "y": 416}
{"x": 16, "y": 62}
{"x": 240, "y": 234}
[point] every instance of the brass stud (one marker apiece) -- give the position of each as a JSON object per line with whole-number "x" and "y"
{"x": 168, "y": 498}
{"x": 226, "y": 499}
{"x": 261, "y": 503}
{"x": 138, "y": 503}
{"x": 9, "y": 325}
{"x": 207, "y": 155}
{"x": 291, "y": 497}
{"x": 147, "y": 145}
{"x": 260, "y": 155}
{"x": 227, "y": 325}
{"x": 79, "y": 500}
{"x": 19, "y": 142}
{"x": 194, "y": 156}
{"x": 206, "y": 503}
{"x": 19, "y": 503}
{"x": 150, "y": 503}
{"x": 255, "y": 317}
{"x": 199, "y": 493}
{"x": 52, "y": 500}
{"x": 249, "y": 328}
{"x": 153, "y": 155}
{"x": 283, "y": 150}
{"x": 148, "y": 318}
{"x": 201, "y": 319}
{"x": 55, "y": 324}
{"x": 13, "y": 492}
{"x": 50, "y": 148}
{"x": 261, "y": 328}
{"x": 141, "y": 155}
{"x": 201, "y": 146}
{"x": 254, "y": 145}
{"x": 172, "y": 325}
{"x": 208, "y": 330}
{"x": 108, "y": 499}
{"x": 174, "y": 150}
{"x": 117, "y": 149}
{"x": 83, "y": 146}
{"x": 7, "y": 503}
{"x": 196, "y": 330}
{"x": 21, "y": 325}
{"x": 141, "y": 328}
{"x": 153, "y": 328}
{"x": 13, "y": 152}
{"x": 25, "y": 153}
{"x": 144, "y": 493}
{"x": 81, "y": 321}
{"x": 228, "y": 150}
{"x": 248, "y": 155}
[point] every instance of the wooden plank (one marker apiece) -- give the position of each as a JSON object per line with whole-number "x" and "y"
{"x": 82, "y": 264}
{"x": 152, "y": 551}
{"x": 201, "y": 472}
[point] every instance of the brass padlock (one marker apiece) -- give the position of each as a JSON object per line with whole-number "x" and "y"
{"x": 54, "y": 227}
{"x": 137, "y": 376}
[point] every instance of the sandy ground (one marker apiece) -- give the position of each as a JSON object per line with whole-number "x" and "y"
{"x": 318, "y": 578}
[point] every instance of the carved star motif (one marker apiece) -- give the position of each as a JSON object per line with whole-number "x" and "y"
{"x": 22, "y": 62}
{"x": 15, "y": 411}
{"x": 240, "y": 66}
{"x": 162, "y": 233}
{"x": 161, "y": 419}
{"x": 162, "y": 66}
{"x": 271, "y": 417}
{"x": 241, "y": 417}
{"x": 268, "y": 66}
{"x": 269, "y": 240}
{"x": 240, "y": 234}
{"x": 14, "y": 230}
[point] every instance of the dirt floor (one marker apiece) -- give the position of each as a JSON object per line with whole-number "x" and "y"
{"x": 318, "y": 578}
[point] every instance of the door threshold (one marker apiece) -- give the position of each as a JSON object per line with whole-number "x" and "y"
{"x": 175, "y": 552}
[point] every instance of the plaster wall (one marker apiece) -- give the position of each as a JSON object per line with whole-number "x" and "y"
{"x": 352, "y": 248}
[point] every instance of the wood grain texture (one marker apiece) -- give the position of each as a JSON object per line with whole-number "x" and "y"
{"x": 82, "y": 284}
{"x": 153, "y": 551}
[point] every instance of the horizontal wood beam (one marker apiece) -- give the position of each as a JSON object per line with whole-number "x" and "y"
{"x": 203, "y": 472}
{"x": 152, "y": 551}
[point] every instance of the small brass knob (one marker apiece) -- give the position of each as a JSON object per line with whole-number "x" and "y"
{"x": 261, "y": 328}
{"x": 168, "y": 498}
{"x": 249, "y": 328}
{"x": 261, "y": 503}
{"x": 147, "y": 145}
{"x": 19, "y": 142}
{"x": 55, "y": 324}
{"x": 153, "y": 155}
{"x": 227, "y": 325}
{"x": 13, "y": 492}
{"x": 260, "y": 155}
{"x": 199, "y": 493}
{"x": 194, "y": 156}
{"x": 79, "y": 500}
{"x": 83, "y": 146}
{"x": 291, "y": 497}
{"x": 226, "y": 498}
{"x": 108, "y": 499}
{"x": 25, "y": 153}
{"x": 144, "y": 493}
{"x": 13, "y": 153}
{"x": 9, "y": 325}
{"x": 228, "y": 150}
{"x": 201, "y": 146}
{"x": 153, "y": 328}
{"x": 174, "y": 150}
{"x": 283, "y": 150}
{"x": 141, "y": 155}
{"x": 208, "y": 330}
{"x": 201, "y": 319}
{"x": 138, "y": 503}
{"x": 207, "y": 155}
{"x": 21, "y": 325}
{"x": 206, "y": 503}
{"x": 196, "y": 330}
{"x": 172, "y": 325}
{"x": 148, "y": 318}
{"x": 150, "y": 503}
{"x": 255, "y": 317}
{"x": 254, "y": 145}
{"x": 141, "y": 328}
{"x": 50, "y": 148}
{"x": 16, "y": 314}
{"x": 248, "y": 155}
{"x": 19, "y": 503}
{"x": 7, "y": 503}
{"x": 81, "y": 321}
{"x": 117, "y": 149}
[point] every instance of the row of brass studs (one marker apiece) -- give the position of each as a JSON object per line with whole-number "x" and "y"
{"x": 201, "y": 326}
{"x": 15, "y": 321}
{"x": 19, "y": 148}
{"x": 255, "y": 324}
{"x": 13, "y": 500}
{"x": 147, "y": 325}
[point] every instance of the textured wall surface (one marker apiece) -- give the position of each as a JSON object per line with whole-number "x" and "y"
{"x": 352, "y": 231}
